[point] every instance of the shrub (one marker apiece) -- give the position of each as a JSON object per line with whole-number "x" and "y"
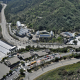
{"x": 71, "y": 56}
{"x": 78, "y": 62}
{"x": 59, "y": 73}
{"x": 10, "y": 72}
{"x": 62, "y": 72}
{"x": 78, "y": 71}
{"x": 62, "y": 68}
{"x": 29, "y": 70}
{"x": 64, "y": 57}
{"x": 56, "y": 59}
{"x": 4, "y": 58}
{"x": 4, "y": 76}
{"x": 76, "y": 55}
{"x": 22, "y": 63}
{"x": 70, "y": 72}
{"x": 22, "y": 72}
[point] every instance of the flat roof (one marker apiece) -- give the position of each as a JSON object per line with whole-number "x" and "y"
{"x": 2, "y": 55}
{"x": 42, "y": 31}
{"x": 3, "y": 70}
{"x": 68, "y": 33}
{"x": 26, "y": 55}
{"x": 41, "y": 53}
{"x": 23, "y": 31}
{"x": 35, "y": 38}
{"x": 44, "y": 35}
{"x": 13, "y": 60}
{"x": 5, "y": 45}
{"x": 4, "y": 50}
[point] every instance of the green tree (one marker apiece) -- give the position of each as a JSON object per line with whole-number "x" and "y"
{"x": 4, "y": 76}
{"x": 22, "y": 72}
{"x": 56, "y": 15}
{"x": 75, "y": 42}
{"x": 22, "y": 63}
{"x": 0, "y": 7}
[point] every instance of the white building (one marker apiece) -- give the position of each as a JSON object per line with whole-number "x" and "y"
{"x": 37, "y": 33}
{"x": 44, "y": 34}
{"x": 51, "y": 33}
{"x": 18, "y": 24}
{"x": 67, "y": 34}
{"x": 22, "y": 30}
{"x": 5, "y": 48}
{"x": 76, "y": 39}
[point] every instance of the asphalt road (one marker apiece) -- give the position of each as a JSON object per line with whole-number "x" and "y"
{"x": 55, "y": 65}
{"x": 5, "y": 33}
{"x": 4, "y": 27}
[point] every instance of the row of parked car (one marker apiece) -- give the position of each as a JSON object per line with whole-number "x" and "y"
{"x": 42, "y": 60}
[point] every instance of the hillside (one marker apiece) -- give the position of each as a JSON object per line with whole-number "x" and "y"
{"x": 56, "y": 15}
{"x": 0, "y": 7}
{"x": 5, "y": 1}
{"x": 0, "y": 13}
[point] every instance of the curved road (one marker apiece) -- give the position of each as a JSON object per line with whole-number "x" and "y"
{"x": 22, "y": 44}
{"x": 5, "y": 33}
{"x": 32, "y": 76}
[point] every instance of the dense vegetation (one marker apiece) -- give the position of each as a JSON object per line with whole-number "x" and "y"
{"x": 0, "y": 7}
{"x": 56, "y": 15}
{"x": 5, "y": 1}
{"x": 69, "y": 72}
{"x": 0, "y": 33}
